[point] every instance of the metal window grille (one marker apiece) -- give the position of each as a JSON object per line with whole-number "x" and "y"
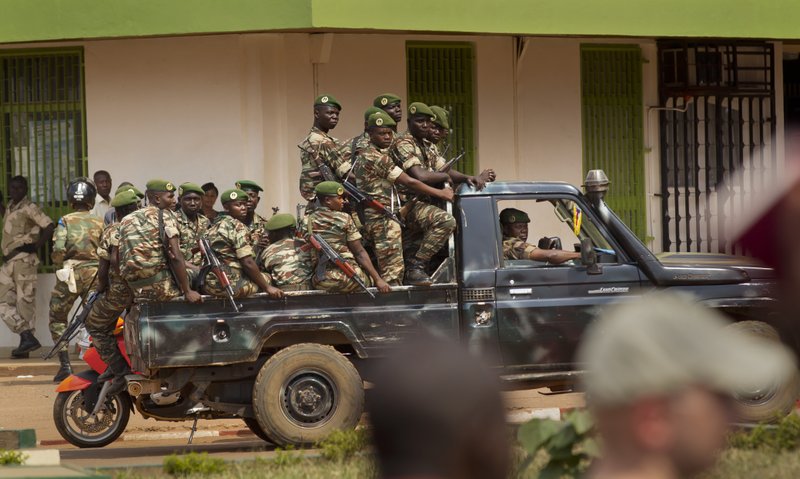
{"x": 42, "y": 125}
{"x": 611, "y": 103}
{"x": 717, "y": 138}
{"x": 443, "y": 74}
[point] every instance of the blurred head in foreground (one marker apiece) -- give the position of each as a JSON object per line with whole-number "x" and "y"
{"x": 437, "y": 413}
{"x": 662, "y": 374}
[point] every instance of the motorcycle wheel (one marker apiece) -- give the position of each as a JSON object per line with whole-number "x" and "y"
{"x": 74, "y": 424}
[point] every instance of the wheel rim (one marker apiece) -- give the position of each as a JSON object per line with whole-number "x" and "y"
{"x": 81, "y": 425}
{"x": 757, "y": 395}
{"x": 309, "y": 398}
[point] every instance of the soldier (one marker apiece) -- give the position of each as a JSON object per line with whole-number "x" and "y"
{"x": 102, "y": 180}
{"x": 191, "y": 225}
{"x": 257, "y": 235}
{"x": 228, "y": 237}
{"x": 514, "y": 224}
{"x": 75, "y": 250}
{"x": 114, "y": 294}
{"x": 391, "y": 104}
{"x": 320, "y": 146}
{"x": 361, "y": 141}
{"x": 287, "y": 259}
{"x": 145, "y": 238}
{"x": 25, "y": 230}
{"x": 440, "y": 129}
{"x": 375, "y": 174}
{"x": 110, "y": 216}
{"x": 210, "y": 194}
{"x": 340, "y": 231}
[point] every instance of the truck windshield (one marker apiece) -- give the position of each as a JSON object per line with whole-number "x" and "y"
{"x": 571, "y": 213}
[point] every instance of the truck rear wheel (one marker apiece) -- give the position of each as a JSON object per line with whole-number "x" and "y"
{"x": 772, "y": 401}
{"x": 305, "y": 392}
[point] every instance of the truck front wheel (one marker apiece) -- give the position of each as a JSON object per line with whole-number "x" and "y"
{"x": 305, "y": 392}
{"x": 773, "y": 400}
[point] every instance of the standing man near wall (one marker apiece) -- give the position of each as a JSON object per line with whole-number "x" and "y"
{"x": 25, "y": 230}
{"x": 102, "y": 179}
{"x": 319, "y": 146}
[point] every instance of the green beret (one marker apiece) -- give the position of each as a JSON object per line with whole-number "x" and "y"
{"x": 380, "y": 119}
{"x": 233, "y": 195}
{"x": 329, "y": 188}
{"x": 513, "y": 215}
{"x": 190, "y": 188}
{"x": 328, "y": 100}
{"x": 125, "y": 198}
{"x": 441, "y": 117}
{"x": 369, "y": 111}
{"x": 418, "y": 108}
{"x": 129, "y": 188}
{"x": 385, "y": 99}
{"x": 248, "y": 185}
{"x": 279, "y": 221}
{"x": 160, "y": 185}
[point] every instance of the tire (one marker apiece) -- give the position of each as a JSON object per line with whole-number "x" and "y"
{"x": 255, "y": 428}
{"x": 327, "y": 380}
{"x": 73, "y": 424}
{"x": 774, "y": 401}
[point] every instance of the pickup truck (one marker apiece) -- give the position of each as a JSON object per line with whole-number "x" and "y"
{"x": 293, "y": 369}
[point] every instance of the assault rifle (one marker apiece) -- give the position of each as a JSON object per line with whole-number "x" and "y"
{"x": 78, "y": 320}
{"x": 364, "y": 199}
{"x": 327, "y": 253}
{"x": 445, "y": 168}
{"x": 214, "y": 265}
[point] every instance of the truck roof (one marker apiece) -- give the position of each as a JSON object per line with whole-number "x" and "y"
{"x": 500, "y": 188}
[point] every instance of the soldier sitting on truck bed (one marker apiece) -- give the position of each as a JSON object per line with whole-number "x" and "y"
{"x": 339, "y": 230}
{"x": 191, "y": 225}
{"x": 287, "y": 259}
{"x": 228, "y": 237}
{"x": 514, "y": 224}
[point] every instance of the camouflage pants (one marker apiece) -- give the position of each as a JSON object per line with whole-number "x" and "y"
{"x": 387, "y": 238}
{"x": 103, "y": 317}
{"x": 241, "y": 284}
{"x": 62, "y": 299}
{"x": 428, "y": 228}
{"x": 335, "y": 281}
{"x": 18, "y": 294}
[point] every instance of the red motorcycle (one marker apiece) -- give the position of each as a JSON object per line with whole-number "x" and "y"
{"x": 84, "y": 414}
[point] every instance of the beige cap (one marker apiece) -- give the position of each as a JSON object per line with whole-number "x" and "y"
{"x": 664, "y": 342}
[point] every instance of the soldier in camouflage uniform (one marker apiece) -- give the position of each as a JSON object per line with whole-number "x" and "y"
{"x": 191, "y": 225}
{"x": 257, "y": 234}
{"x": 228, "y": 237}
{"x": 514, "y": 224}
{"x": 360, "y": 142}
{"x": 25, "y": 230}
{"x": 75, "y": 252}
{"x": 319, "y": 145}
{"x": 392, "y": 105}
{"x": 144, "y": 236}
{"x": 375, "y": 174}
{"x": 340, "y": 231}
{"x": 287, "y": 259}
{"x": 114, "y": 294}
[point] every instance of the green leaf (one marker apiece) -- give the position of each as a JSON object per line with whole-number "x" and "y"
{"x": 565, "y": 438}
{"x": 552, "y": 471}
{"x": 590, "y": 447}
{"x": 581, "y": 420}
{"x": 536, "y": 432}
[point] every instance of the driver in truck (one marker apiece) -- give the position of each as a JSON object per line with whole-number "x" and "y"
{"x": 514, "y": 224}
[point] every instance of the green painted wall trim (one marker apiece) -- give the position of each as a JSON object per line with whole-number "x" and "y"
{"x": 42, "y": 20}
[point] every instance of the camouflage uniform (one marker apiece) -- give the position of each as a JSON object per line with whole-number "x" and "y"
{"x": 190, "y": 232}
{"x": 75, "y": 247}
{"x": 288, "y": 262}
{"x": 256, "y": 230}
{"x": 375, "y": 174}
{"x": 329, "y": 150}
{"x": 515, "y": 248}
{"x": 22, "y": 224}
{"x": 428, "y": 226}
{"x": 141, "y": 254}
{"x": 337, "y": 228}
{"x": 229, "y": 240}
{"x": 102, "y": 319}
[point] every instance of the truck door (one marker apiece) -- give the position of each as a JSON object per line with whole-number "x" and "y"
{"x": 543, "y": 309}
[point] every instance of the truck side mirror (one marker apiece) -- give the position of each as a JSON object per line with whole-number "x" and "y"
{"x": 589, "y": 257}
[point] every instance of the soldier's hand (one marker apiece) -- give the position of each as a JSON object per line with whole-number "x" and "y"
{"x": 193, "y": 297}
{"x": 488, "y": 175}
{"x": 447, "y": 194}
{"x": 477, "y": 182}
{"x": 263, "y": 242}
{"x": 383, "y": 286}
{"x": 274, "y": 292}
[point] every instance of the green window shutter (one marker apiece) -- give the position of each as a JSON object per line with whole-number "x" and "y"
{"x": 611, "y": 104}
{"x": 442, "y": 74}
{"x": 42, "y": 125}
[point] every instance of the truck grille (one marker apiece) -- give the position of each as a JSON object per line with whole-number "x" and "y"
{"x": 477, "y": 294}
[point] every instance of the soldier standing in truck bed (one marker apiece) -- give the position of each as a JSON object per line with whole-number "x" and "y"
{"x": 320, "y": 146}
{"x": 191, "y": 225}
{"x": 287, "y": 259}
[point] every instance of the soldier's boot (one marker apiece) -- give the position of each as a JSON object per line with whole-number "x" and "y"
{"x": 120, "y": 369}
{"x": 66, "y": 368}
{"x": 415, "y": 273}
{"x": 27, "y": 343}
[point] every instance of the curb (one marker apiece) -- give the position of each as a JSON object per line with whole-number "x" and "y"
{"x": 159, "y": 436}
